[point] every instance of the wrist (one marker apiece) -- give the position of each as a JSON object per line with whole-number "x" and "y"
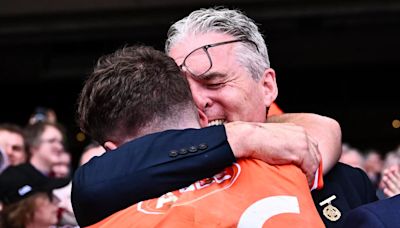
{"x": 235, "y": 133}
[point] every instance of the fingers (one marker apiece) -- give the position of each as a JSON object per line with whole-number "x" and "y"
{"x": 314, "y": 160}
{"x": 388, "y": 192}
{"x": 391, "y": 181}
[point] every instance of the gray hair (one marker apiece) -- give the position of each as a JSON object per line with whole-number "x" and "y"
{"x": 227, "y": 21}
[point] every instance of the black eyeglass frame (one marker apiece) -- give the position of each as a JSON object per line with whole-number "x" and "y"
{"x": 206, "y": 47}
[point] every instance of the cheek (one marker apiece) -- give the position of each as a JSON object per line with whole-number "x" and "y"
{"x": 19, "y": 154}
{"x": 234, "y": 104}
{"x": 50, "y": 214}
{"x": 236, "y": 97}
{"x": 44, "y": 213}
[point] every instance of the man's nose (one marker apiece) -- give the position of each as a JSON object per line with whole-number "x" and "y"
{"x": 200, "y": 96}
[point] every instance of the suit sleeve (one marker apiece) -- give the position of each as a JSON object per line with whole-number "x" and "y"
{"x": 146, "y": 168}
{"x": 362, "y": 218}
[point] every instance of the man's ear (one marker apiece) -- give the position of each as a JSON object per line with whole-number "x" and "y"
{"x": 270, "y": 88}
{"x": 108, "y": 145}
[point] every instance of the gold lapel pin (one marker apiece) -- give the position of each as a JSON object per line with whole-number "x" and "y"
{"x": 330, "y": 212}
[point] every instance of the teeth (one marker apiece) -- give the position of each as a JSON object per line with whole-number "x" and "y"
{"x": 216, "y": 122}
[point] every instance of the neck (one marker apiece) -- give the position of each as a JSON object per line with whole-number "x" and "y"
{"x": 158, "y": 125}
{"x": 40, "y": 165}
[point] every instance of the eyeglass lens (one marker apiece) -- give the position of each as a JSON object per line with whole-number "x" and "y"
{"x": 198, "y": 62}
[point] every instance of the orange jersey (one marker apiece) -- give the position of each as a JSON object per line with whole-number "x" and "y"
{"x": 249, "y": 193}
{"x": 274, "y": 110}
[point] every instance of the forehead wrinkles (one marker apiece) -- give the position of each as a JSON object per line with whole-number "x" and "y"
{"x": 227, "y": 68}
{"x": 223, "y": 56}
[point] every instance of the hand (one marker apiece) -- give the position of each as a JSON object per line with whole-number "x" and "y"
{"x": 275, "y": 144}
{"x": 390, "y": 183}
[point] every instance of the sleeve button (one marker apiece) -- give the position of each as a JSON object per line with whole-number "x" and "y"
{"x": 203, "y": 146}
{"x": 173, "y": 153}
{"x": 183, "y": 151}
{"x": 192, "y": 149}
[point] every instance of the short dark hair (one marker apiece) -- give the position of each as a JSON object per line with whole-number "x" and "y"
{"x": 10, "y": 127}
{"x": 130, "y": 89}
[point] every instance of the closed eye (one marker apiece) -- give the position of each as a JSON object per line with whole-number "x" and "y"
{"x": 215, "y": 85}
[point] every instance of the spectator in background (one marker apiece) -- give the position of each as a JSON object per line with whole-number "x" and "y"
{"x": 12, "y": 143}
{"x": 352, "y": 157}
{"x": 62, "y": 168}
{"x": 27, "y": 198}
{"x": 390, "y": 181}
{"x": 373, "y": 166}
{"x": 384, "y": 213}
{"x": 66, "y": 215}
{"x": 3, "y": 161}
{"x": 45, "y": 142}
{"x": 43, "y": 114}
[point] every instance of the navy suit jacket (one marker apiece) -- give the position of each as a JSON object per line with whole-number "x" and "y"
{"x": 381, "y": 214}
{"x": 158, "y": 163}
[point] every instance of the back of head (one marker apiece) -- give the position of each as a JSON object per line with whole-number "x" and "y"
{"x": 225, "y": 21}
{"x": 130, "y": 90}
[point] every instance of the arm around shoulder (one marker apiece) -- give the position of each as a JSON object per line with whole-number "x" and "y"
{"x": 146, "y": 168}
{"x": 325, "y": 131}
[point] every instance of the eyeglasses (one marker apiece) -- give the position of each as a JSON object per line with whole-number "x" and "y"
{"x": 198, "y": 62}
{"x": 51, "y": 141}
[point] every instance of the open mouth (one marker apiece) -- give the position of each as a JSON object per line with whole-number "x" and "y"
{"x": 216, "y": 122}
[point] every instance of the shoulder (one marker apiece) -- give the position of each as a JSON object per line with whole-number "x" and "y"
{"x": 341, "y": 167}
{"x": 383, "y": 213}
{"x": 353, "y": 181}
{"x": 213, "y": 134}
{"x": 343, "y": 172}
{"x": 387, "y": 206}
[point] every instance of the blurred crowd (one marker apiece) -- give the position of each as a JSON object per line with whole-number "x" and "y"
{"x": 35, "y": 172}
{"x": 383, "y": 171}
{"x": 38, "y": 155}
